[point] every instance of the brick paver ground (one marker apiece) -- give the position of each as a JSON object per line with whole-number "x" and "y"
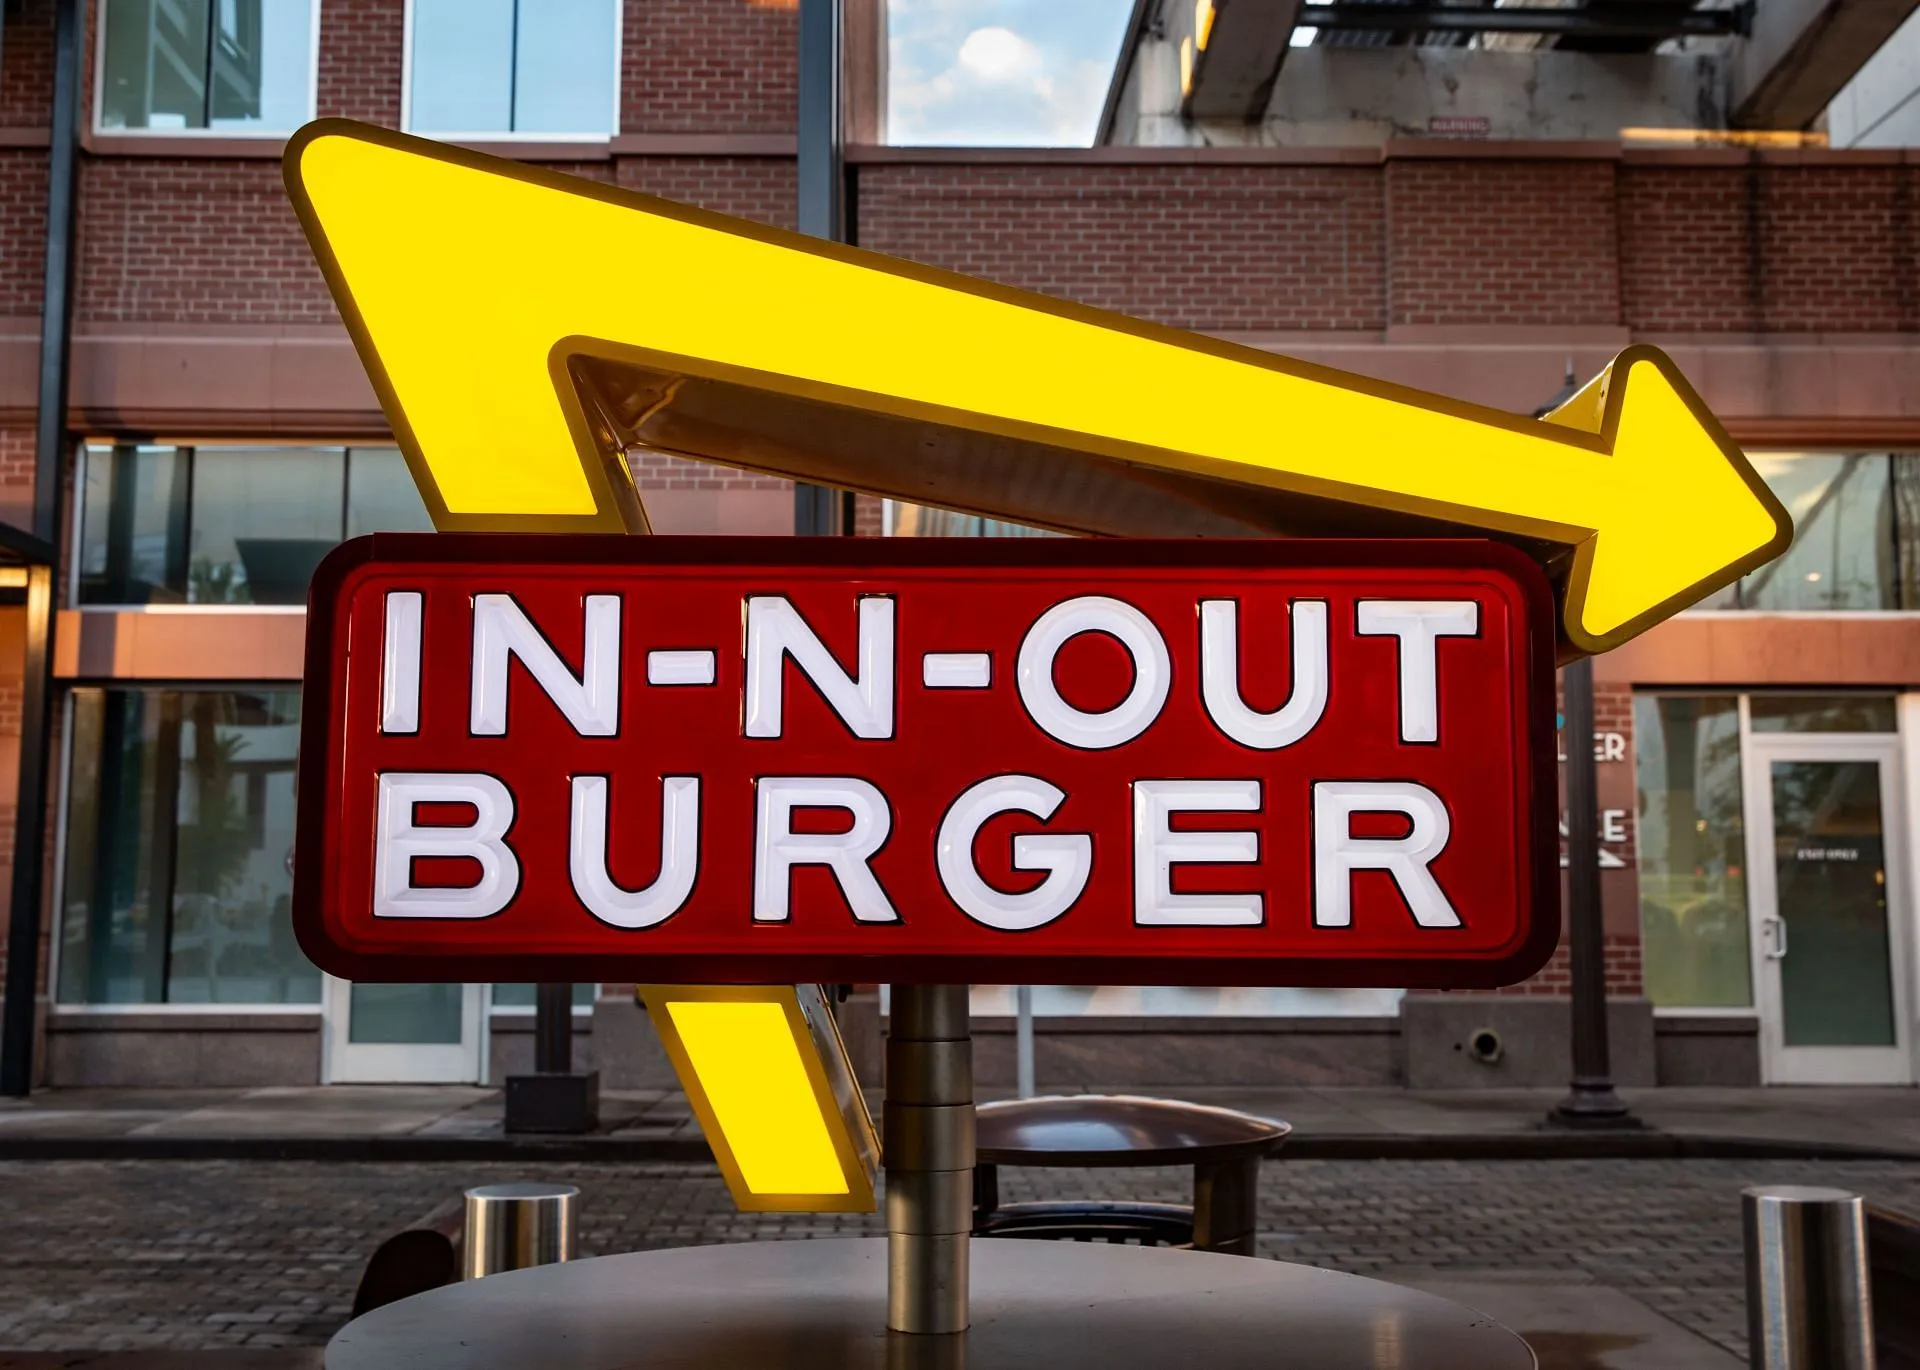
{"x": 134, "y": 1254}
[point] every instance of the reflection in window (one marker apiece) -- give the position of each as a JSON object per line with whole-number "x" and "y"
{"x": 523, "y": 996}
{"x": 242, "y": 66}
{"x": 180, "y": 821}
{"x": 1842, "y": 553}
{"x": 230, "y": 525}
{"x": 1693, "y": 891}
{"x": 513, "y": 66}
{"x": 923, "y": 521}
{"x": 1789, "y": 713}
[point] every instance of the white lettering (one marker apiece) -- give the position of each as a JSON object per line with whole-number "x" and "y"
{"x": 1152, "y": 672}
{"x": 1220, "y": 675}
{"x": 591, "y": 703}
{"x": 776, "y": 631}
{"x": 680, "y": 668}
{"x": 398, "y": 843}
{"x": 679, "y": 854}
{"x": 777, "y": 848}
{"x": 400, "y": 664}
{"x": 1066, "y": 857}
{"x": 1337, "y": 853}
{"x": 1157, "y": 848}
{"x": 1418, "y": 623}
{"x": 956, "y": 670}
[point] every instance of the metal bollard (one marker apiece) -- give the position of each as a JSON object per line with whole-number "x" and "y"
{"x": 928, "y": 1122}
{"x": 514, "y": 1226}
{"x": 1809, "y": 1305}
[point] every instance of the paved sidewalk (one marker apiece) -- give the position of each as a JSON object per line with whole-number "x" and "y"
{"x": 1604, "y": 1265}
{"x": 410, "y": 1122}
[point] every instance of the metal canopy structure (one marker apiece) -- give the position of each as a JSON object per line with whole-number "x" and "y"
{"x": 1784, "y": 59}
{"x": 1640, "y": 22}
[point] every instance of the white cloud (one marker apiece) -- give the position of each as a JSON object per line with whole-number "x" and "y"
{"x": 997, "y": 54}
{"x": 1000, "y": 72}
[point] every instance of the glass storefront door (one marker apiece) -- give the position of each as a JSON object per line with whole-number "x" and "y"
{"x": 1829, "y": 907}
{"x": 405, "y": 1034}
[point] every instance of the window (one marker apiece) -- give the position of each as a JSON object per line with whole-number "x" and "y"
{"x": 177, "y": 880}
{"x": 1692, "y": 831}
{"x": 518, "y": 997}
{"x": 1692, "y": 835}
{"x": 230, "y": 525}
{"x": 536, "y": 67}
{"x": 226, "y": 66}
{"x": 1856, "y": 539}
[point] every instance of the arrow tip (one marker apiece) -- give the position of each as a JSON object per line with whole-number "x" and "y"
{"x": 1687, "y": 515}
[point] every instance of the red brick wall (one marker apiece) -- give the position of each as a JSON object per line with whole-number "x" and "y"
{"x": 175, "y": 240}
{"x": 709, "y": 66}
{"x": 361, "y": 46}
{"x": 1219, "y": 247}
{"x": 23, "y": 228}
{"x": 26, "y": 65}
{"x": 16, "y": 476}
{"x": 1492, "y": 242}
{"x": 1686, "y": 248}
{"x": 662, "y": 471}
{"x": 1770, "y": 248}
{"x": 752, "y": 187}
{"x": 1623, "y": 971}
{"x": 1619, "y": 894}
{"x": 1837, "y": 249}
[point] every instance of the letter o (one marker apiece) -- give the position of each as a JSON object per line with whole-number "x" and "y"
{"x": 1152, "y": 672}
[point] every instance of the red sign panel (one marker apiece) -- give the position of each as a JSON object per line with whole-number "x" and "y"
{"x": 1018, "y": 760}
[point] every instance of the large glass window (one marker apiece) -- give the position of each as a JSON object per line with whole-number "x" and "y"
{"x": 1856, "y": 542}
{"x": 232, "y": 66}
{"x": 1693, "y": 889}
{"x": 524, "y": 996}
{"x": 180, "y": 823}
{"x": 230, "y": 525}
{"x": 513, "y": 66}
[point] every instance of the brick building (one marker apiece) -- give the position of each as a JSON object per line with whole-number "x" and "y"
{"x": 224, "y": 437}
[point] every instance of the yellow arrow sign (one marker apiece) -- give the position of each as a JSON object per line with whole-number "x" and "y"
{"x": 526, "y": 329}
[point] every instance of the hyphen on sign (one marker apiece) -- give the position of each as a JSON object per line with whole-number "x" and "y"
{"x": 1205, "y": 761}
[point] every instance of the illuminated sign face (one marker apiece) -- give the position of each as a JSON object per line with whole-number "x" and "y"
{"x": 948, "y": 760}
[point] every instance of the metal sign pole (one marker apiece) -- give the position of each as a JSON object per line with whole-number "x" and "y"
{"x": 1590, "y": 1101}
{"x": 1023, "y": 1040}
{"x": 928, "y": 1151}
{"x": 821, "y": 170}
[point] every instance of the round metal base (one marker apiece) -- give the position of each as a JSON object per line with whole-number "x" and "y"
{"x": 821, "y": 1305}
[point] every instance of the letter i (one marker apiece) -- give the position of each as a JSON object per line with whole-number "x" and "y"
{"x": 400, "y": 664}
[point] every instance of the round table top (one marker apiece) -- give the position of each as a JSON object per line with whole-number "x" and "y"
{"x": 1118, "y": 1129}
{"x": 821, "y": 1305}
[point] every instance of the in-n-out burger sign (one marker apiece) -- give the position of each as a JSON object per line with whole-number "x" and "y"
{"x": 1060, "y": 761}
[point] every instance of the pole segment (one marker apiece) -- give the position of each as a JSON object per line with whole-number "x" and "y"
{"x": 822, "y": 172}
{"x": 1590, "y": 1101}
{"x": 928, "y": 1148}
{"x": 49, "y": 503}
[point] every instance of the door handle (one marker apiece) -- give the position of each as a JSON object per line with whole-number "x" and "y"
{"x": 1776, "y": 936}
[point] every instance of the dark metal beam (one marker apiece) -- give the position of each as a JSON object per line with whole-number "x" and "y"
{"x": 17, "y": 1026}
{"x": 1234, "y": 74}
{"x": 1802, "y": 53}
{"x": 1590, "y": 1101}
{"x": 823, "y": 188}
{"x": 1586, "y": 21}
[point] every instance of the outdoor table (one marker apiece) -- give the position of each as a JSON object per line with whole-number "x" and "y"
{"x": 1223, "y": 1146}
{"x": 821, "y": 1305}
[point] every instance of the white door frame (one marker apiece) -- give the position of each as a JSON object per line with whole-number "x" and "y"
{"x": 402, "y": 1063}
{"x": 1779, "y": 1063}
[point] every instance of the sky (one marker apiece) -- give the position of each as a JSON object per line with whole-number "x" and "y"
{"x": 1000, "y": 72}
